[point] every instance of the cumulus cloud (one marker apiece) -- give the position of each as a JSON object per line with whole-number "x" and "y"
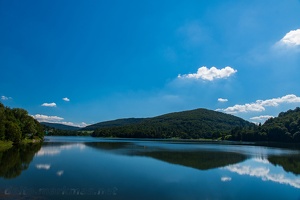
{"x": 4, "y": 98}
{"x": 210, "y": 74}
{"x": 45, "y": 118}
{"x": 66, "y": 99}
{"x": 292, "y": 38}
{"x": 262, "y": 117}
{"x": 56, "y": 119}
{"x": 222, "y": 100}
{"x": 49, "y": 104}
{"x": 260, "y": 105}
{"x": 82, "y": 124}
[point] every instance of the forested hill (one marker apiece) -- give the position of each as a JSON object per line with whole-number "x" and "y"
{"x": 199, "y": 123}
{"x": 60, "y": 126}
{"x": 114, "y": 123}
{"x": 16, "y": 125}
{"x": 285, "y": 127}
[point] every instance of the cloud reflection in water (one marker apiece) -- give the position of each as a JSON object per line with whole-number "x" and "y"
{"x": 55, "y": 150}
{"x": 264, "y": 172}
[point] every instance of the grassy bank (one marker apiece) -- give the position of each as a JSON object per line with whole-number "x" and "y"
{"x": 4, "y": 145}
{"x": 29, "y": 141}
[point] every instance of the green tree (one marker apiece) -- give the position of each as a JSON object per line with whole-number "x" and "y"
{"x": 2, "y": 120}
{"x": 12, "y": 132}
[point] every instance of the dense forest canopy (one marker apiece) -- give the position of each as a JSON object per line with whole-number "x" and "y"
{"x": 199, "y": 123}
{"x": 203, "y": 123}
{"x": 284, "y": 128}
{"x": 16, "y": 125}
{"x": 114, "y": 123}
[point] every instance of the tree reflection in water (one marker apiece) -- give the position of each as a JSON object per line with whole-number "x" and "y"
{"x": 17, "y": 159}
{"x": 290, "y": 163}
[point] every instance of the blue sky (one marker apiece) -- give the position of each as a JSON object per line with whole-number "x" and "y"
{"x": 82, "y": 62}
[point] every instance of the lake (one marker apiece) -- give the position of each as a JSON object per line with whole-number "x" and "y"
{"x": 97, "y": 168}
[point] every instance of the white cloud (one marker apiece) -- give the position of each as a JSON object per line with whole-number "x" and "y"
{"x": 292, "y": 38}
{"x": 66, "y": 99}
{"x": 261, "y": 117}
{"x": 82, "y": 124}
{"x": 43, "y": 166}
{"x": 265, "y": 174}
{"x": 45, "y": 118}
{"x": 222, "y": 100}
{"x": 4, "y": 98}
{"x": 225, "y": 179}
{"x": 260, "y": 105}
{"x": 210, "y": 74}
{"x": 243, "y": 108}
{"x": 56, "y": 119}
{"x": 49, "y": 104}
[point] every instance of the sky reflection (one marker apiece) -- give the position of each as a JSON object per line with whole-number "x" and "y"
{"x": 262, "y": 169}
{"x": 55, "y": 150}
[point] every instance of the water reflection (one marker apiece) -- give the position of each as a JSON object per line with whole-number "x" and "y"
{"x": 43, "y": 166}
{"x": 203, "y": 160}
{"x": 16, "y": 159}
{"x": 155, "y": 170}
{"x": 265, "y": 172}
{"x": 197, "y": 159}
{"x": 290, "y": 163}
{"x": 52, "y": 149}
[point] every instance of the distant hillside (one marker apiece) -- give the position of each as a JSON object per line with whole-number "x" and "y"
{"x": 284, "y": 128}
{"x": 114, "y": 123}
{"x": 199, "y": 123}
{"x": 60, "y": 126}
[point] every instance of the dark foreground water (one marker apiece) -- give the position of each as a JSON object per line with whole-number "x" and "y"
{"x": 92, "y": 168}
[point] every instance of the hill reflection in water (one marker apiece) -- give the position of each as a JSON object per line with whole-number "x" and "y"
{"x": 198, "y": 159}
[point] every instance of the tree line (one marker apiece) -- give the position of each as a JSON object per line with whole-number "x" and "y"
{"x": 284, "y": 128}
{"x": 193, "y": 124}
{"x": 16, "y": 125}
{"x": 210, "y": 125}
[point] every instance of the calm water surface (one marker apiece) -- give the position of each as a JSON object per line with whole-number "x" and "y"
{"x": 93, "y": 168}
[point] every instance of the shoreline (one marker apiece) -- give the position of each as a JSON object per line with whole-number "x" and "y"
{"x": 5, "y": 145}
{"x": 193, "y": 141}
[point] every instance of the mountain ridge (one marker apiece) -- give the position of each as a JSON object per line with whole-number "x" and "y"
{"x": 196, "y": 123}
{"x": 113, "y": 123}
{"x": 60, "y": 126}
